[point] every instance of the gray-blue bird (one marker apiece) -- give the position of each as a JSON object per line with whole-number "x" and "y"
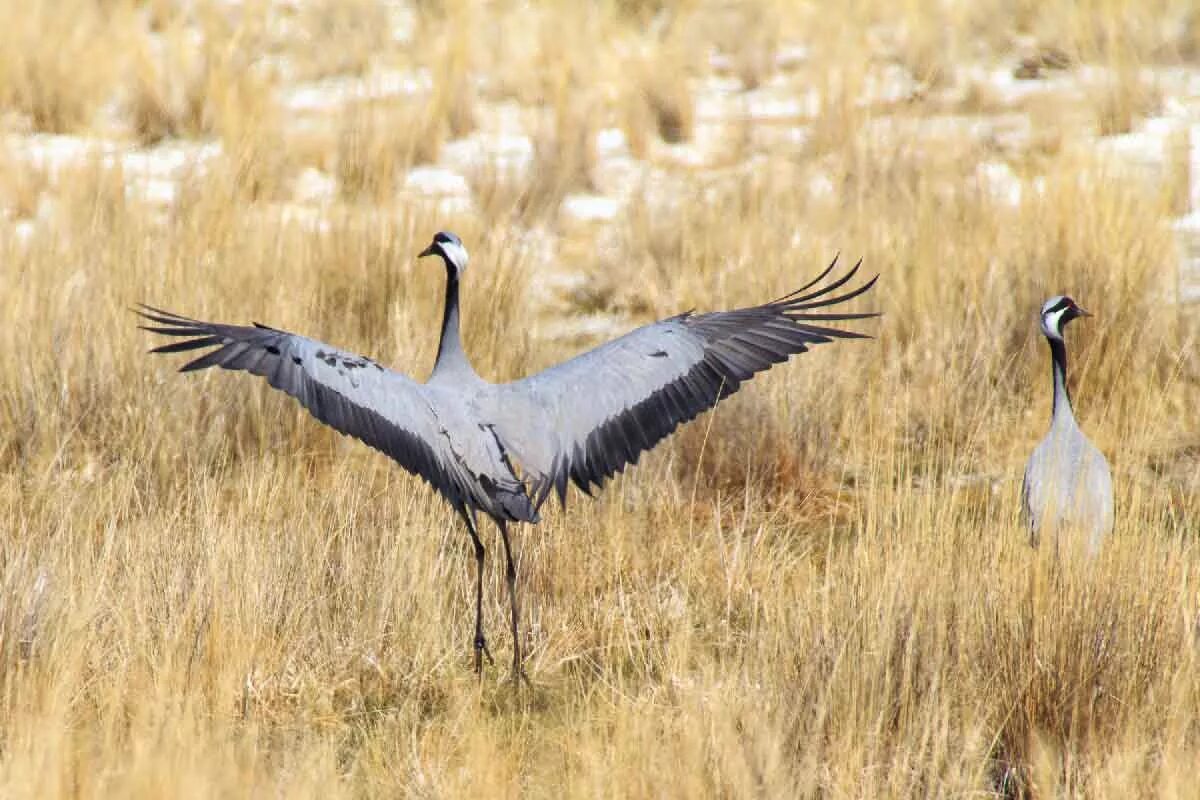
{"x": 502, "y": 448}
{"x": 1067, "y": 490}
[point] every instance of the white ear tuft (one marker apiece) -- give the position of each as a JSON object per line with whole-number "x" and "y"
{"x": 1052, "y": 323}
{"x": 457, "y": 255}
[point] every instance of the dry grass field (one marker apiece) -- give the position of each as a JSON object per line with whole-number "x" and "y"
{"x": 821, "y": 589}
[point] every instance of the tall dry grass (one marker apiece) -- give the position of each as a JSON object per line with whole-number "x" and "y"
{"x": 821, "y": 589}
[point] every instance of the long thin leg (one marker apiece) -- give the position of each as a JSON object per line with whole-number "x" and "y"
{"x": 510, "y": 574}
{"x": 481, "y": 648}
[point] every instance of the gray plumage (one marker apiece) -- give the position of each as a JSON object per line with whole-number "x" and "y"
{"x": 581, "y": 421}
{"x": 1067, "y": 489}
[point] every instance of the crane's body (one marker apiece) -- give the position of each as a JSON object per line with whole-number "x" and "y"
{"x": 1067, "y": 492}
{"x": 580, "y": 421}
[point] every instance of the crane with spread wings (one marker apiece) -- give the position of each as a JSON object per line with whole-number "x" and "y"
{"x": 580, "y": 422}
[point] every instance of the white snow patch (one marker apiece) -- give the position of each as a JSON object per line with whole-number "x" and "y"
{"x": 332, "y": 93}
{"x": 997, "y": 179}
{"x": 821, "y": 186}
{"x": 436, "y": 181}
{"x": 1146, "y": 149}
{"x": 719, "y": 62}
{"x": 711, "y": 99}
{"x": 892, "y": 84}
{"x": 790, "y": 56}
{"x": 509, "y": 153}
{"x": 1187, "y": 227}
{"x": 774, "y": 107}
{"x": 170, "y": 160}
{"x": 52, "y": 152}
{"x": 314, "y": 186}
{"x": 611, "y": 142}
{"x": 23, "y": 231}
{"x": 1189, "y": 223}
{"x": 590, "y": 207}
{"x": 620, "y": 175}
{"x": 156, "y": 191}
{"x": 402, "y": 17}
{"x": 1011, "y": 90}
{"x": 150, "y": 174}
{"x": 1194, "y": 166}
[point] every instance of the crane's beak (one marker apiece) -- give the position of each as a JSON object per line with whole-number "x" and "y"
{"x": 428, "y": 251}
{"x": 1083, "y": 312}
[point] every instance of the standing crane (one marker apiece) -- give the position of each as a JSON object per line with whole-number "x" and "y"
{"x": 1067, "y": 486}
{"x": 462, "y": 434}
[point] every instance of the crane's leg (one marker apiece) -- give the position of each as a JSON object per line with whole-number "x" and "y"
{"x": 510, "y": 574}
{"x": 481, "y": 648}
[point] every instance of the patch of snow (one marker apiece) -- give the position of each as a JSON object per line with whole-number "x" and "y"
{"x": 790, "y": 56}
{"x": 1146, "y": 149}
{"x": 332, "y": 93}
{"x": 1009, "y": 131}
{"x": 760, "y": 106}
{"x": 47, "y": 208}
{"x": 719, "y": 62}
{"x": 997, "y": 180}
{"x": 619, "y": 176}
{"x": 892, "y": 84}
{"x": 156, "y": 191}
{"x": 436, "y": 181}
{"x": 402, "y": 17}
{"x": 710, "y": 106}
{"x": 796, "y": 135}
{"x": 686, "y": 154}
{"x": 1011, "y": 90}
{"x": 611, "y": 142}
{"x": 821, "y": 186}
{"x": 1189, "y": 223}
{"x": 314, "y": 186}
{"x": 151, "y": 174}
{"x": 170, "y": 160}
{"x": 509, "y": 153}
{"x": 713, "y": 96}
{"x": 1187, "y": 227}
{"x": 52, "y": 152}
{"x": 719, "y": 85}
{"x": 23, "y": 231}
{"x": 1194, "y": 166}
{"x": 590, "y": 207}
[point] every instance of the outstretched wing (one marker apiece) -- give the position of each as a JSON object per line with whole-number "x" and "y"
{"x": 352, "y": 394}
{"x": 604, "y": 408}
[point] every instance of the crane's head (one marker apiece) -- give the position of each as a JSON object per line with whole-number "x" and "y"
{"x": 450, "y": 248}
{"x": 1057, "y": 312}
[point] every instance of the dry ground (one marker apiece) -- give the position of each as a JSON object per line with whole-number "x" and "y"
{"x": 821, "y": 589}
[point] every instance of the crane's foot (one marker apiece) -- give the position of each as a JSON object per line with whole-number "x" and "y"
{"x": 481, "y": 650}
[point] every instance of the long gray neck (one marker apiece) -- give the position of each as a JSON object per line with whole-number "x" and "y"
{"x": 451, "y": 358}
{"x": 1058, "y": 365}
